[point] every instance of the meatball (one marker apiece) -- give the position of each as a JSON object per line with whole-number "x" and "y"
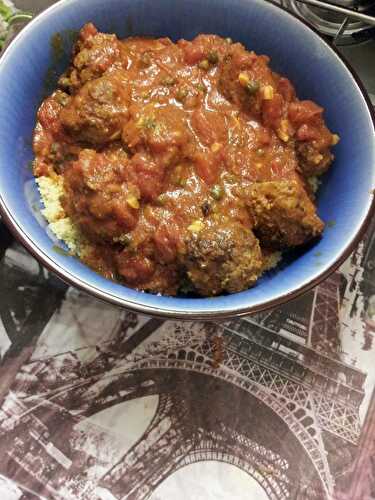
{"x": 283, "y": 213}
{"x": 95, "y": 53}
{"x": 312, "y": 159}
{"x": 97, "y": 112}
{"x": 222, "y": 257}
{"x": 162, "y": 130}
{"x": 98, "y": 198}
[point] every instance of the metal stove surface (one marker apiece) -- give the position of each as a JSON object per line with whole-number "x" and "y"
{"x": 362, "y": 58}
{"x": 330, "y": 22}
{"x": 356, "y": 41}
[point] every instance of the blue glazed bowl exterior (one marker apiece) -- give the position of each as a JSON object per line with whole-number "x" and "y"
{"x": 295, "y": 50}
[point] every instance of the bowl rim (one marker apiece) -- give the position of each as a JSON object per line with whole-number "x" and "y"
{"x": 170, "y": 313}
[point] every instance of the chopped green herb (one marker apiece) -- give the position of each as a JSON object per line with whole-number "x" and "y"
{"x": 204, "y": 64}
{"x": 168, "y": 81}
{"x": 331, "y": 223}
{"x": 64, "y": 82}
{"x": 161, "y": 200}
{"x": 217, "y": 192}
{"x": 252, "y": 87}
{"x": 318, "y": 254}
{"x": 146, "y": 95}
{"x": 148, "y": 123}
{"x": 145, "y": 59}
{"x": 181, "y": 94}
{"x": 125, "y": 239}
{"x": 231, "y": 178}
{"x": 213, "y": 57}
{"x": 178, "y": 176}
{"x": 201, "y": 87}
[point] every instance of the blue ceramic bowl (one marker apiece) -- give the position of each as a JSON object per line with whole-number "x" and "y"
{"x": 296, "y": 51}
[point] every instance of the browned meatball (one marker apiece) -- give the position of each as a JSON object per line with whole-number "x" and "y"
{"x": 222, "y": 257}
{"x": 97, "y": 112}
{"x": 95, "y": 53}
{"x": 97, "y": 197}
{"x": 312, "y": 159}
{"x": 283, "y": 213}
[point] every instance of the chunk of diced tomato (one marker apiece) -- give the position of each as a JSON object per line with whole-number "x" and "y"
{"x": 206, "y": 167}
{"x": 286, "y": 89}
{"x": 263, "y": 136}
{"x": 272, "y": 110}
{"x": 147, "y": 175}
{"x": 48, "y": 115}
{"x": 88, "y": 31}
{"x": 193, "y": 52}
{"x": 135, "y": 270}
{"x": 203, "y": 128}
{"x": 307, "y": 132}
{"x": 166, "y": 242}
{"x": 304, "y": 111}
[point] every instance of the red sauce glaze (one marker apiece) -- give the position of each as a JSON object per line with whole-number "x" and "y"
{"x": 158, "y": 142}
